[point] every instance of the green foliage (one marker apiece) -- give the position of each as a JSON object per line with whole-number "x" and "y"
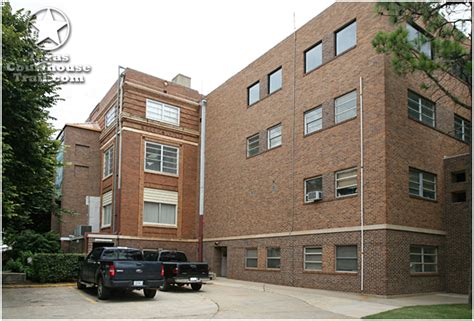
{"x": 14, "y": 266}
{"x": 55, "y": 267}
{"x": 439, "y": 311}
{"x": 28, "y": 151}
{"x": 446, "y": 27}
{"x": 27, "y": 243}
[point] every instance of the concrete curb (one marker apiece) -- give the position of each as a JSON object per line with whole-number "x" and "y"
{"x": 47, "y": 285}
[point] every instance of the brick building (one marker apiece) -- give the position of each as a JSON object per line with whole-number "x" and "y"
{"x": 323, "y": 167}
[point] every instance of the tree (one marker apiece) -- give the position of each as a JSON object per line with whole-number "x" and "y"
{"x": 433, "y": 38}
{"x": 28, "y": 160}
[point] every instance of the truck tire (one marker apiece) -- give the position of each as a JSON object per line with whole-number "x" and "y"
{"x": 80, "y": 285}
{"x": 196, "y": 286}
{"x": 103, "y": 292}
{"x": 149, "y": 293}
{"x": 165, "y": 286}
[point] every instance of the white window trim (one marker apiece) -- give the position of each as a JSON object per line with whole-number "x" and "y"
{"x": 463, "y": 122}
{"x": 272, "y": 258}
{"x": 345, "y": 111}
{"x": 421, "y": 184}
{"x": 306, "y": 123}
{"x": 105, "y": 203}
{"x": 251, "y": 257}
{"x": 268, "y": 136}
{"x": 305, "y": 192}
{"x": 420, "y": 110}
{"x": 305, "y": 261}
{"x": 162, "y": 224}
{"x": 336, "y": 180}
{"x": 422, "y": 263}
{"x": 248, "y": 145}
{"x": 161, "y": 172}
{"x": 163, "y": 105}
{"x": 105, "y": 164}
{"x": 107, "y": 122}
{"x": 103, "y": 216}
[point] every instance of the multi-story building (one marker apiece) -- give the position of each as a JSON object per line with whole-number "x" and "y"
{"x": 324, "y": 168}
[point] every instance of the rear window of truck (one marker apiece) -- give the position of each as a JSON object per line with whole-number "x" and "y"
{"x": 122, "y": 255}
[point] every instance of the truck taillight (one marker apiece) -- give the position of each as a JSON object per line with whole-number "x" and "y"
{"x": 176, "y": 271}
{"x": 112, "y": 270}
{"x": 162, "y": 271}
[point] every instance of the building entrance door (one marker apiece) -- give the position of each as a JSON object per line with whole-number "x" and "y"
{"x": 224, "y": 261}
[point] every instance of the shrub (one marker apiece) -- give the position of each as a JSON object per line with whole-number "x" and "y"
{"x": 55, "y": 267}
{"x": 32, "y": 242}
{"x": 14, "y": 266}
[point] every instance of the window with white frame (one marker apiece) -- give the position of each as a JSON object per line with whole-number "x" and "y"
{"x": 346, "y": 182}
{"x": 274, "y": 136}
{"x": 313, "y": 258}
{"x": 345, "y": 107}
{"x": 160, "y": 207}
{"x": 106, "y": 209}
{"x": 159, "y": 111}
{"x": 273, "y": 258}
{"x": 312, "y": 187}
{"x": 108, "y": 161}
{"x": 422, "y": 184}
{"x": 423, "y": 259}
{"x": 110, "y": 116}
{"x": 275, "y": 81}
{"x": 161, "y": 158}
{"x": 346, "y": 38}
{"x": 421, "y": 109}
{"x": 419, "y": 40}
{"x": 253, "y": 145}
{"x": 251, "y": 258}
{"x": 313, "y": 57}
{"x": 462, "y": 128}
{"x": 313, "y": 120}
{"x": 253, "y": 93}
{"x": 346, "y": 258}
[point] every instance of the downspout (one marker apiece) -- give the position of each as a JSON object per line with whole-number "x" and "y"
{"x": 361, "y": 187}
{"x": 118, "y": 153}
{"x": 202, "y": 161}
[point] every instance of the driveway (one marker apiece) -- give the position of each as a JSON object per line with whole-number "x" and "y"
{"x": 223, "y": 298}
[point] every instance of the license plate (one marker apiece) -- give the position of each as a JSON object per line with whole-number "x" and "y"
{"x": 193, "y": 279}
{"x": 137, "y": 283}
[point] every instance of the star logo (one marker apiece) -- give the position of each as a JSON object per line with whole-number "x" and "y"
{"x": 52, "y": 28}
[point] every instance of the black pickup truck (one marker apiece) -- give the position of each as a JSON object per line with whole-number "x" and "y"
{"x": 177, "y": 270}
{"x": 111, "y": 268}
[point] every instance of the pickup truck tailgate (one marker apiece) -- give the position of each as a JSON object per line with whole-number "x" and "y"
{"x": 137, "y": 270}
{"x": 193, "y": 269}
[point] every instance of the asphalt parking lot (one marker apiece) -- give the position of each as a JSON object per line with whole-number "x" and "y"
{"x": 223, "y": 298}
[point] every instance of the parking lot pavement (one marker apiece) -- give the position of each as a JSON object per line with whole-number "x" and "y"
{"x": 222, "y": 299}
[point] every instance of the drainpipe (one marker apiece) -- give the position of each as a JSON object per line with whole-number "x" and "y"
{"x": 118, "y": 153}
{"x": 361, "y": 188}
{"x": 202, "y": 159}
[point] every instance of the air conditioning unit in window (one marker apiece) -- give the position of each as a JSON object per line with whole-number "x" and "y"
{"x": 313, "y": 196}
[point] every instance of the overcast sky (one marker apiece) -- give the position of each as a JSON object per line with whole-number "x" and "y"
{"x": 207, "y": 40}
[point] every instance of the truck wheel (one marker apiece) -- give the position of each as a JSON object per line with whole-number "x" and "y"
{"x": 165, "y": 286}
{"x": 103, "y": 292}
{"x": 150, "y": 294}
{"x": 196, "y": 286}
{"x": 80, "y": 285}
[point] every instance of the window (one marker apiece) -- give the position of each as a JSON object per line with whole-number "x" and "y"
{"x": 346, "y": 182}
{"x": 273, "y": 258}
{"x": 345, "y": 107}
{"x": 346, "y": 258}
{"x": 311, "y": 186}
{"x": 458, "y": 177}
{"x": 423, "y": 259}
{"x": 419, "y": 41}
{"x": 274, "y": 136}
{"x": 458, "y": 197}
{"x": 274, "y": 81}
{"x": 421, "y": 109}
{"x": 251, "y": 258}
{"x": 313, "y": 258}
{"x": 346, "y": 38}
{"x": 110, "y": 116}
{"x": 462, "y": 128}
{"x": 253, "y": 145}
{"x": 107, "y": 209}
{"x": 161, "y": 158}
{"x": 313, "y": 57}
{"x": 422, "y": 184}
{"x": 253, "y": 93}
{"x": 108, "y": 161}
{"x": 313, "y": 120}
{"x": 159, "y": 213}
{"x": 159, "y": 111}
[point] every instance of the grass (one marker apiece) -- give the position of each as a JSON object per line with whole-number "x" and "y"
{"x": 438, "y": 311}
